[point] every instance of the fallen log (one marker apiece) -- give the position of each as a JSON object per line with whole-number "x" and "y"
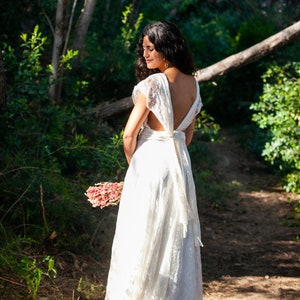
{"x": 107, "y": 109}
{"x": 249, "y": 55}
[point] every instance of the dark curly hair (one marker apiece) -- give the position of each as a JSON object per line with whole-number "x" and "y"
{"x": 168, "y": 40}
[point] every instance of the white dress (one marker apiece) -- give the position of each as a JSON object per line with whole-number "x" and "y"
{"x": 156, "y": 248}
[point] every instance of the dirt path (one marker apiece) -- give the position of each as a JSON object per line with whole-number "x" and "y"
{"x": 248, "y": 254}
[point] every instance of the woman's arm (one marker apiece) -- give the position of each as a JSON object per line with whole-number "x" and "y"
{"x": 135, "y": 121}
{"x": 189, "y": 132}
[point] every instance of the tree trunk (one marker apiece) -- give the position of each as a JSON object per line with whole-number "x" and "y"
{"x": 134, "y": 12}
{"x": 108, "y": 109}
{"x": 3, "y": 94}
{"x": 58, "y": 45}
{"x": 82, "y": 28}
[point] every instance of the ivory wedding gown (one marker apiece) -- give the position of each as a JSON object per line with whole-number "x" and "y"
{"x": 156, "y": 253}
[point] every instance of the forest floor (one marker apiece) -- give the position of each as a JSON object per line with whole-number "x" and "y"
{"x": 250, "y": 249}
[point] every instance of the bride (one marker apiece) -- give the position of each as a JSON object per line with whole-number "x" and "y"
{"x": 156, "y": 247}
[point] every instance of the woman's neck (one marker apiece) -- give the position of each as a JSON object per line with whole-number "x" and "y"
{"x": 172, "y": 73}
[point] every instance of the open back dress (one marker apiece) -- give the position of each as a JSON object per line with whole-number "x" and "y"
{"x": 156, "y": 247}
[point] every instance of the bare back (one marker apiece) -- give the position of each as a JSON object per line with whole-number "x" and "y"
{"x": 183, "y": 94}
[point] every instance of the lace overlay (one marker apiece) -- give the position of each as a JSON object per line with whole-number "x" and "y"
{"x": 156, "y": 253}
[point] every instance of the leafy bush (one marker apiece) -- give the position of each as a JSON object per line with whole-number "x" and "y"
{"x": 16, "y": 257}
{"x": 206, "y": 125}
{"x": 49, "y": 154}
{"x": 278, "y": 114}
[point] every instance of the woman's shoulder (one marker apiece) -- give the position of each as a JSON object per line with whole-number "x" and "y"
{"x": 155, "y": 75}
{"x": 153, "y": 78}
{"x": 152, "y": 81}
{"x": 151, "y": 87}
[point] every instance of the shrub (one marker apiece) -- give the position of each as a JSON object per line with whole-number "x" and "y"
{"x": 278, "y": 114}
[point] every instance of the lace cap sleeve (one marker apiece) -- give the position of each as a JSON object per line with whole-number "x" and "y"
{"x": 150, "y": 88}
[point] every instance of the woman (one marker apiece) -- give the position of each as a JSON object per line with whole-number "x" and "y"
{"x": 156, "y": 253}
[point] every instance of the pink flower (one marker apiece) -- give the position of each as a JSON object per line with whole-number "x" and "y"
{"x": 105, "y": 194}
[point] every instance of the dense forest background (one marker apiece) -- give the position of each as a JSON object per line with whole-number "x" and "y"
{"x": 57, "y": 66}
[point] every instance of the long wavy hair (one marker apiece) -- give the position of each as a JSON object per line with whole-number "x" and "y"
{"x": 168, "y": 40}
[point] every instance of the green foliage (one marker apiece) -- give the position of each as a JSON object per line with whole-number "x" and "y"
{"x": 113, "y": 59}
{"x": 27, "y": 73}
{"x": 128, "y": 32}
{"x": 33, "y": 273}
{"x": 231, "y": 95}
{"x": 297, "y": 207}
{"x": 124, "y": 44}
{"x": 206, "y": 125}
{"x": 198, "y": 31}
{"x": 253, "y": 30}
{"x": 113, "y": 158}
{"x": 14, "y": 258}
{"x": 67, "y": 58}
{"x": 293, "y": 218}
{"x": 278, "y": 114}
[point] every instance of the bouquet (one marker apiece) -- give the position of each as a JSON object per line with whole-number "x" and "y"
{"x": 105, "y": 194}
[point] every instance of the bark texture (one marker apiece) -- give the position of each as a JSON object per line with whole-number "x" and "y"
{"x": 83, "y": 24}
{"x": 58, "y": 45}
